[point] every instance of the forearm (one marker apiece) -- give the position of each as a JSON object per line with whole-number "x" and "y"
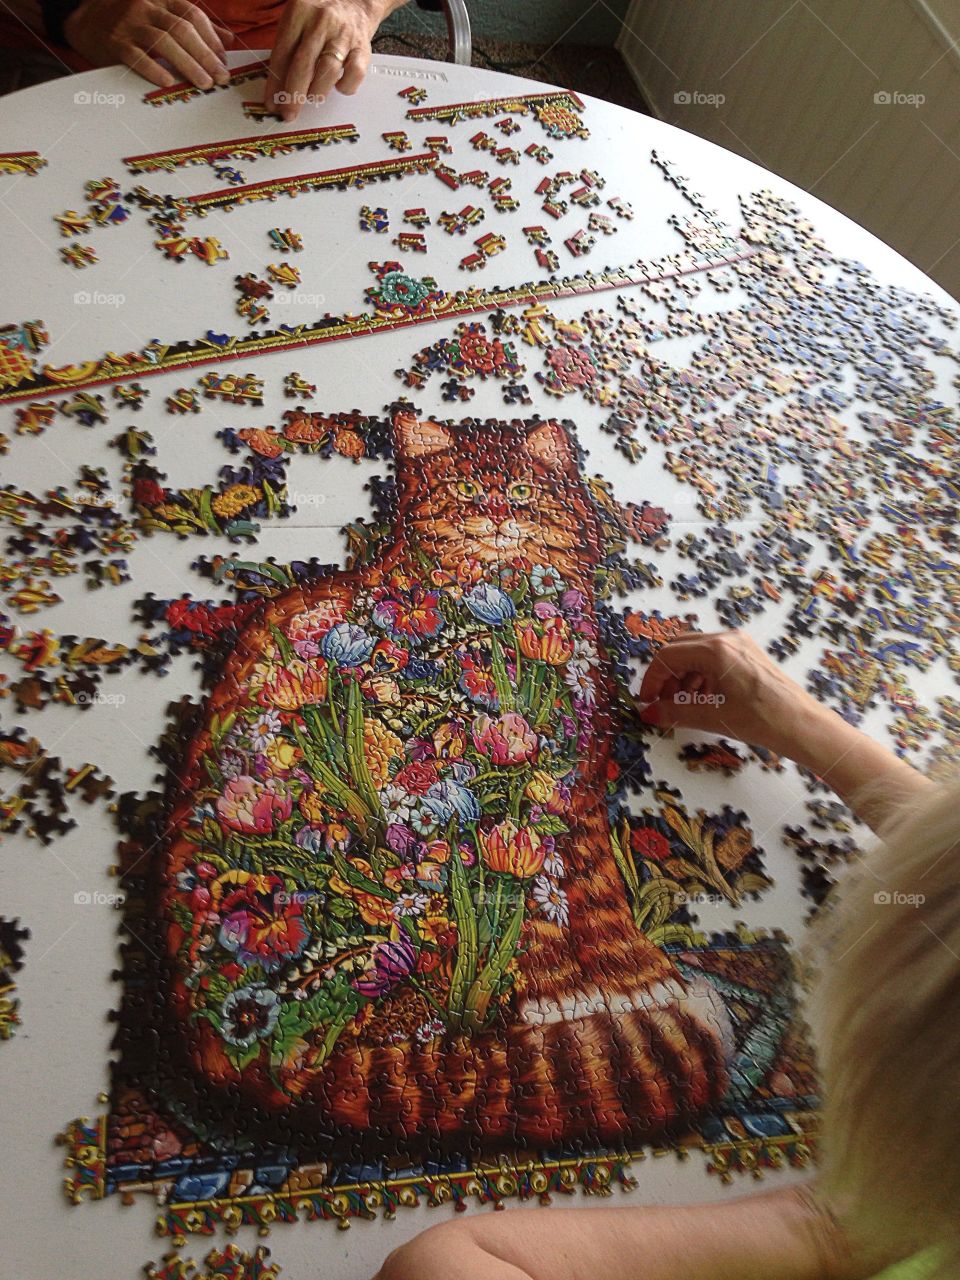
{"x": 865, "y": 775}
{"x": 780, "y": 1234}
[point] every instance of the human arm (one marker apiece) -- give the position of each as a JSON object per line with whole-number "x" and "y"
{"x": 783, "y": 1234}
{"x": 138, "y": 32}
{"x": 322, "y": 45}
{"x": 725, "y": 683}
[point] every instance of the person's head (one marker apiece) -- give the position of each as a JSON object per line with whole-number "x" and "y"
{"x": 888, "y": 1022}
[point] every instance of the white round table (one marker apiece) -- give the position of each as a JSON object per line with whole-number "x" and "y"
{"x": 853, "y": 599}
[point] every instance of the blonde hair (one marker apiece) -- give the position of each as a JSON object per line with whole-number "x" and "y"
{"x": 887, "y": 1013}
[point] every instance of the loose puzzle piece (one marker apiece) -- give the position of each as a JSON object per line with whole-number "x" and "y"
{"x": 374, "y": 219}
{"x": 12, "y": 938}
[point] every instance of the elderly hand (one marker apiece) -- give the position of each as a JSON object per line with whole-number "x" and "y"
{"x": 726, "y": 684}
{"x": 322, "y": 45}
{"x": 137, "y": 32}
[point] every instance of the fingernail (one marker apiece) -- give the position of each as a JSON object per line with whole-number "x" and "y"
{"x": 650, "y": 714}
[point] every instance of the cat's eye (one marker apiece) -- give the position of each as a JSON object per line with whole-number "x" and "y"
{"x": 520, "y": 492}
{"x": 467, "y": 489}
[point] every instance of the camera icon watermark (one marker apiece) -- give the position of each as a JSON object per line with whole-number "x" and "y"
{"x": 698, "y": 699}
{"x": 294, "y": 897}
{"x": 97, "y": 98}
{"x": 99, "y": 699}
{"x": 894, "y": 898}
{"x": 695, "y": 98}
{"x": 699, "y": 899}
{"x": 86, "y": 298}
{"x": 306, "y": 299}
{"x": 97, "y": 898}
{"x": 283, "y": 98}
{"x": 893, "y": 98}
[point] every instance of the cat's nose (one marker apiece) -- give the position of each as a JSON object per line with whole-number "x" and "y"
{"x": 497, "y": 508}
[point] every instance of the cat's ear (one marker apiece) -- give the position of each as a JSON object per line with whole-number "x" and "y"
{"x": 549, "y": 443}
{"x": 416, "y": 438}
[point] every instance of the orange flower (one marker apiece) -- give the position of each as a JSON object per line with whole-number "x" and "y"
{"x": 235, "y": 499}
{"x": 380, "y": 746}
{"x": 348, "y": 443}
{"x": 301, "y": 429}
{"x": 262, "y": 440}
{"x": 312, "y": 807}
{"x": 294, "y": 686}
{"x": 547, "y": 641}
{"x": 516, "y": 851}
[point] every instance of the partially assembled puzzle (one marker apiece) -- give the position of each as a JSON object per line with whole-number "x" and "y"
{"x": 417, "y": 908}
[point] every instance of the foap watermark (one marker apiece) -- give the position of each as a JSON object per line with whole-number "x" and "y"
{"x": 699, "y": 899}
{"x": 306, "y": 499}
{"x": 894, "y": 898}
{"x": 285, "y": 99}
{"x": 97, "y": 898}
{"x": 696, "y": 698}
{"x": 95, "y": 298}
{"x": 97, "y": 98}
{"x": 295, "y": 897}
{"x": 303, "y": 299}
{"x": 894, "y": 98}
{"x": 100, "y": 699}
{"x": 696, "y": 98}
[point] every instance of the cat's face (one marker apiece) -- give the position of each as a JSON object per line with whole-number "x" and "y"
{"x": 493, "y": 493}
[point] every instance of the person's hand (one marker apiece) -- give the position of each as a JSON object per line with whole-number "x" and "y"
{"x": 723, "y": 683}
{"x": 321, "y": 45}
{"x": 138, "y": 32}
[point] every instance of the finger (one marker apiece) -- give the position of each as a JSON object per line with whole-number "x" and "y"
{"x": 138, "y": 60}
{"x": 328, "y": 70}
{"x": 355, "y": 69}
{"x": 288, "y": 35}
{"x": 303, "y": 67}
{"x": 202, "y": 22}
{"x": 674, "y": 660}
{"x": 165, "y": 46}
{"x": 194, "y": 46}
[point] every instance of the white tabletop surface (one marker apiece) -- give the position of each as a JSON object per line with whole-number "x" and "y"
{"x": 56, "y": 1064}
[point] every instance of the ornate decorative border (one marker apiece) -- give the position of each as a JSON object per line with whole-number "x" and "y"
{"x": 158, "y": 357}
{"x": 520, "y": 104}
{"x": 29, "y": 162}
{"x": 354, "y": 175}
{"x": 489, "y": 1184}
{"x": 240, "y": 148}
{"x": 183, "y": 91}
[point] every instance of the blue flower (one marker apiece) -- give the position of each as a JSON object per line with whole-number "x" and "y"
{"x": 448, "y": 800}
{"x": 249, "y": 1014}
{"x": 347, "y": 645}
{"x": 490, "y": 604}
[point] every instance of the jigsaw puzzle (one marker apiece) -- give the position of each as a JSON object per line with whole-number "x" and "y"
{"x": 418, "y": 908}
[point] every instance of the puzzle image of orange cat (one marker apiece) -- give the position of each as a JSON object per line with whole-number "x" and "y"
{"x": 389, "y": 897}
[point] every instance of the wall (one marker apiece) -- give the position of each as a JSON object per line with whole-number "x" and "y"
{"x": 853, "y": 100}
{"x": 535, "y": 21}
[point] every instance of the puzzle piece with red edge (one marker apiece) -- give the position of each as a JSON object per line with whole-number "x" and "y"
{"x": 285, "y": 241}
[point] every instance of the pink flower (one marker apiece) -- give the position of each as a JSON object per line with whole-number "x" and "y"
{"x": 306, "y": 630}
{"x": 508, "y": 739}
{"x": 248, "y": 806}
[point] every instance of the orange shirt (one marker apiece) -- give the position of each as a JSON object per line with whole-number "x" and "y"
{"x": 253, "y": 22}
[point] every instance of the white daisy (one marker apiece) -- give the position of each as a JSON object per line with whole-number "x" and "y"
{"x": 551, "y": 900}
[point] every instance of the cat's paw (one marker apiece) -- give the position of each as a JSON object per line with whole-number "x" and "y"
{"x": 695, "y": 997}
